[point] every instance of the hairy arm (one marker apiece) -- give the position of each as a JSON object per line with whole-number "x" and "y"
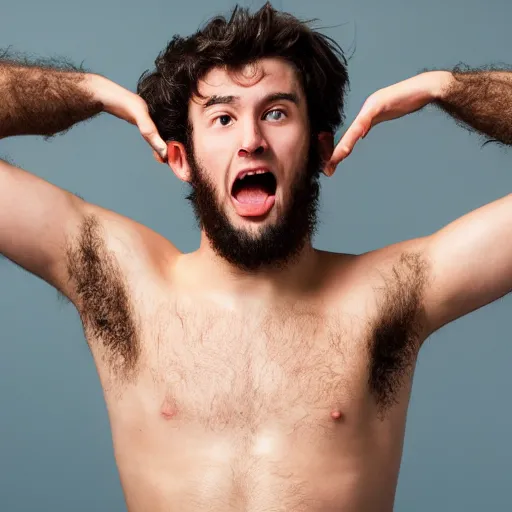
{"x": 471, "y": 258}
{"x": 37, "y": 219}
{"x": 45, "y": 98}
{"x": 40, "y": 100}
{"x": 480, "y": 99}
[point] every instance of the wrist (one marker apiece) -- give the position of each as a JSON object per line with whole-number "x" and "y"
{"x": 95, "y": 86}
{"x": 440, "y": 84}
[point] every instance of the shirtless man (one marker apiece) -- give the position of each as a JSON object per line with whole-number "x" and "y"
{"x": 256, "y": 373}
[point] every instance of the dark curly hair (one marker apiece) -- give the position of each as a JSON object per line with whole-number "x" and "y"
{"x": 245, "y": 38}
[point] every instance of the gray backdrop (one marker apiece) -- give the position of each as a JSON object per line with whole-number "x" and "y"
{"x": 408, "y": 178}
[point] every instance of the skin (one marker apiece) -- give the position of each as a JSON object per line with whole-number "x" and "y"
{"x": 291, "y": 378}
{"x": 256, "y": 133}
{"x": 229, "y": 390}
{"x": 228, "y": 398}
{"x": 277, "y": 116}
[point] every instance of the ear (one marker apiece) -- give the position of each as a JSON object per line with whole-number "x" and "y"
{"x": 177, "y": 160}
{"x": 326, "y": 147}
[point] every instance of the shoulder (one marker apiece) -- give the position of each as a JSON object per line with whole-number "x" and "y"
{"x": 367, "y": 266}
{"x": 107, "y": 244}
{"x": 384, "y": 282}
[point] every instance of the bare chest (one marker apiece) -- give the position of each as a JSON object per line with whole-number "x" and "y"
{"x": 196, "y": 362}
{"x": 249, "y": 360}
{"x": 245, "y": 367}
{"x": 252, "y": 402}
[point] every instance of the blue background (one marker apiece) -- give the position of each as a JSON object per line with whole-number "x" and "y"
{"x": 408, "y": 178}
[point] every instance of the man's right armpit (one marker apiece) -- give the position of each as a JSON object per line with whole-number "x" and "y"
{"x": 42, "y": 97}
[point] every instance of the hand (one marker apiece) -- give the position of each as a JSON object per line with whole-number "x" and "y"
{"x": 386, "y": 104}
{"x": 126, "y": 105}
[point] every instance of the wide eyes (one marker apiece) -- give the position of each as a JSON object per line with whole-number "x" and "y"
{"x": 223, "y": 118}
{"x": 274, "y": 115}
{"x": 276, "y": 111}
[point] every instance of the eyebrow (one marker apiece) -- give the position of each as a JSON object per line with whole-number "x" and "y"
{"x": 229, "y": 100}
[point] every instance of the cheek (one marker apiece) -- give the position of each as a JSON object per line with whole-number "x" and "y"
{"x": 213, "y": 147}
{"x": 212, "y": 157}
{"x": 293, "y": 147}
{"x": 215, "y": 138}
{"x": 213, "y": 160}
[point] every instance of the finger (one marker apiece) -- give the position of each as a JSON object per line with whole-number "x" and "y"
{"x": 158, "y": 158}
{"x": 358, "y": 130}
{"x": 349, "y": 140}
{"x": 158, "y": 145}
{"x": 150, "y": 133}
{"x": 347, "y": 143}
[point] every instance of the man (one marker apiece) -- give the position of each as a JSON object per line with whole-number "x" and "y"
{"x": 256, "y": 373}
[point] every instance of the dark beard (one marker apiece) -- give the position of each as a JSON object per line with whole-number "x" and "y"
{"x": 275, "y": 245}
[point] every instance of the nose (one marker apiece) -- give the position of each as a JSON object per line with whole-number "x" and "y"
{"x": 253, "y": 142}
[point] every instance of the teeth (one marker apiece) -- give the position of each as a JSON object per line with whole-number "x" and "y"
{"x": 250, "y": 173}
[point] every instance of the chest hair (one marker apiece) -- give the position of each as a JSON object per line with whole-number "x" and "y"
{"x": 253, "y": 356}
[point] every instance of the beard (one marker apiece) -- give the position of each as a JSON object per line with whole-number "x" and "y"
{"x": 274, "y": 246}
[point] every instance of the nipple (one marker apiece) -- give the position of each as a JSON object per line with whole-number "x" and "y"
{"x": 336, "y": 414}
{"x": 168, "y": 413}
{"x": 168, "y": 409}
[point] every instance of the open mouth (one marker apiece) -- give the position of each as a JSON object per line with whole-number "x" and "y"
{"x": 254, "y": 188}
{"x": 254, "y": 193}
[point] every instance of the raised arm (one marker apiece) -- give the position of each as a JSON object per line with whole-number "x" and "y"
{"x": 37, "y": 219}
{"x": 470, "y": 260}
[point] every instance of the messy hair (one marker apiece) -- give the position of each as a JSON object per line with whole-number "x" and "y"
{"x": 231, "y": 44}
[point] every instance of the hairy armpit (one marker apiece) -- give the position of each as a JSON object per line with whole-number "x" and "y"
{"x": 396, "y": 333}
{"x": 103, "y": 300}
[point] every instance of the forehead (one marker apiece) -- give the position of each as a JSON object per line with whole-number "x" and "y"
{"x": 254, "y": 79}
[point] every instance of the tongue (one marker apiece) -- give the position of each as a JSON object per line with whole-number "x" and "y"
{"x": 251, "y": 195}
{"x": 253, "y": 201}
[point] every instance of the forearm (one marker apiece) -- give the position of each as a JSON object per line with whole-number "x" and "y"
{"x": 481, "y": 100}
{"x": 38, "y": 100}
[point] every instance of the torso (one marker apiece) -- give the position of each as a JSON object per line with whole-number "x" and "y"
{"x": 292, "y": 406}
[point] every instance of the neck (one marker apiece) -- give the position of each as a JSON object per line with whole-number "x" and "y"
{"x": 215, "y": 272}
